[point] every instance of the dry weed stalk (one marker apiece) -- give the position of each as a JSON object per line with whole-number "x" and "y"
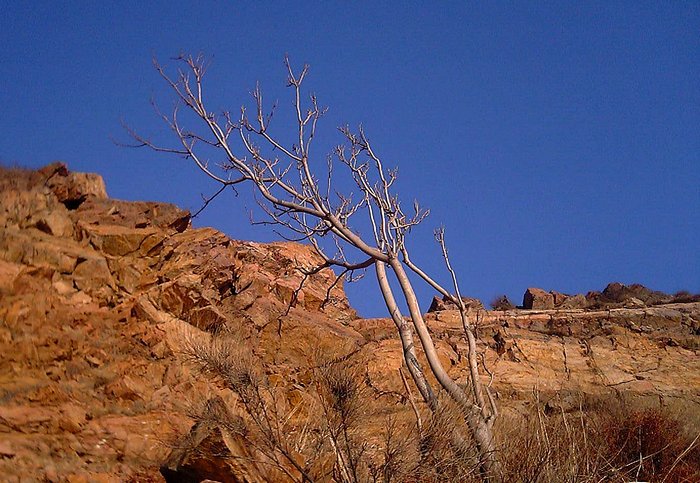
{"x": 269, "y": 429}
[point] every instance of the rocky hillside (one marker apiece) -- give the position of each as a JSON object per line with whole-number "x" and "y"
{"x": 100, "y": 299}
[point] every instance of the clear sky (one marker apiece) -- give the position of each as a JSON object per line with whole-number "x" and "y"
{"x": 558, "y": 142}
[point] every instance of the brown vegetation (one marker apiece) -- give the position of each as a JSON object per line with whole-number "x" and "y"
{"x": 605, "y": 439}
{"x": 502, "y": 303}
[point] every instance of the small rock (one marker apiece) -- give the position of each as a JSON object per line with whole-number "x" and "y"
{"x": 24, "y": 418}
{"x": 80, "y": 298}
{"x": 161, "y": 350}
{"x": 126, "y": 388}
{"x": 78, "y": 478}
{"x": 577, "y": 301}
{"x": 94, "y": 361}
{"x": 6, "y": 450}
{"x": 5, "y": 336}
{"x": 72, "y": 418}
{"x": 93, "y": 276}
{"x": 50, "y": 474}
{"x": 559, "y": 298}
{"x": 63, "y": 287}
{"x": 161, "y": 395}
{"x": 634, "y": 302}
{"x": 56, "y": 223}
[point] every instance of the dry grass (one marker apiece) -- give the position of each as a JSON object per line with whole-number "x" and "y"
{"x": 605, "y": 440}
{"x": 15, "y": 177}
{"x": 602, "y": 440}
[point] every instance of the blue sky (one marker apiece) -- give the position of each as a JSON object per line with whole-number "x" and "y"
{"x": 558, "y": 142}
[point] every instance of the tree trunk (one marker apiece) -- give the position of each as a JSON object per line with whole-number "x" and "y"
{"x": 480, "y": 429}
{"x": 406, "y": 336}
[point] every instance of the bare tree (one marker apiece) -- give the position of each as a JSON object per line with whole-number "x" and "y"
{"x": 298, "y": 196}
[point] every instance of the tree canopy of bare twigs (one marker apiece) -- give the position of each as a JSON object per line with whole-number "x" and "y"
{"x": 295, "y": 186}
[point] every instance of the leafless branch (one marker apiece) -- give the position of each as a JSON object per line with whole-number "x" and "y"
{"x": 288, "y": 191}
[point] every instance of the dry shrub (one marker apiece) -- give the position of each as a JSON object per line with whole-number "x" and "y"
{"x": 340, "y": 441}
{"x": 263, "y": 416}
{"x": 648, "y": 444}
{"x": 599, "y": 439}
{"x": 226, "y": 359}
{"x": 604, "y": 440}
{"x": 684, "y": 297}
{"x": 394, "y": 462}
{"x": 15, "y": 177}
{"x": 340, "y": 391}
{"x": 446, "y": 451}
{"x": 502, "y": 303}
{"x": 556, "y": 448}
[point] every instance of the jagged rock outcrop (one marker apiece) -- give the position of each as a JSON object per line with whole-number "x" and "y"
{"x": 96, "y": 298}
{"x": 99, "y": 297}
{"x": 615, "y": 295}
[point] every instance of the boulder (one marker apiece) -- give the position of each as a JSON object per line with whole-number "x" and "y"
{"x": 72, "y": 418}
{"x": 37, "y": 248}
{"x": 128, "y": 272}
{"x": 619, "y": 293}
{"x": 634, "y": 302}
{"x": 72, "y": 189}
{"x": 8, "y": 273}
{"x": 119, "y": 241}
{"x": 54, "y": 222}
{"x": 132, "y": 214}
{"x": 214, "y": 450}
{"x": 595, "y": 299}
{"x": 537, "y": 299}
{"x": 93, "y": 274}
{"x": 208, "y": 318}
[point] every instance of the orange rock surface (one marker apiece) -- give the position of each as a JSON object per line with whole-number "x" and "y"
{"x": 98, "y": 296}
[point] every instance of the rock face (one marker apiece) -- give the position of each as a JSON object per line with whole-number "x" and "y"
{"x": 100, "y": 298}
{"x": 96, "y": 296}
